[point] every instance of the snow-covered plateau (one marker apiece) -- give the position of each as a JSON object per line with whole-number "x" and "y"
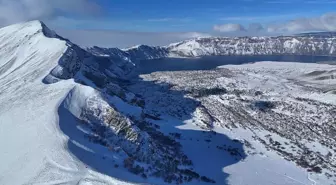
{"x": 85, "y": 116}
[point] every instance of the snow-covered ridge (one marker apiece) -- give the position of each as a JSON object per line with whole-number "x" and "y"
{"x": 27, "y": 48}
{"x": 306, "y": 44}
{"x": 136, "y": 53}
{"x": 65, "y": 104}
{"x": 28, "y": 51}
{"x": 296, "y": 45}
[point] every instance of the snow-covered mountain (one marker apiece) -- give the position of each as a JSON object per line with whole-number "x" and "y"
{"x": 76, "y": 116}
{"x": 296, "y": 45}
{"x": 321, "y": 44}
{"x": 68, "y": 119}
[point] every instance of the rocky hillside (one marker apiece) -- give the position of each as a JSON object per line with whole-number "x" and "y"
{"x": 114, "y": 116}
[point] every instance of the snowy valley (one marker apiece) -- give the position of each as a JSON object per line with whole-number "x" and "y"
{"x": 86, "y": 116}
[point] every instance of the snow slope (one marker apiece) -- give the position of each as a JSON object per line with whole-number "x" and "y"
{"x": 33, "y": 148}
{"x": 281, "y": 112}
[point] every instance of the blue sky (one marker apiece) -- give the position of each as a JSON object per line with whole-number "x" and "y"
{"x": 196, "y": 15}
{"x": 124, "y": 23}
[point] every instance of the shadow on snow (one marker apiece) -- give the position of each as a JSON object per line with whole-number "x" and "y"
{"x": 209, "y": 151}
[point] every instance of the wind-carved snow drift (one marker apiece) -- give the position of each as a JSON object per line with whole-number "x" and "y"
{"x": 23, "y": 42}
{"x": 28, "y": 52}
{"x": 72, "y": 115}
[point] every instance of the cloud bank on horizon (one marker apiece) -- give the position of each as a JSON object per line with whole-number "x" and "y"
{"x": 123, "y": 23}
{"x": 326, "y": 22}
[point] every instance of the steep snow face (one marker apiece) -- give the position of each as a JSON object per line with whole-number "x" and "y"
{"x": 72, "y": 133}
{"x": 33, "y": 148}
{"x": 25, "y": 49}
{"x": 27, "y": 56}
{"x": 28, "y": 131}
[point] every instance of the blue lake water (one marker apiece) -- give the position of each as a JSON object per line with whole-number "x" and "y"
{"x": 211, "y": 62}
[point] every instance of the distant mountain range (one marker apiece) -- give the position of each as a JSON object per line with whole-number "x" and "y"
{"x": 318, "y": 34}
{"x": 317, "y": 44}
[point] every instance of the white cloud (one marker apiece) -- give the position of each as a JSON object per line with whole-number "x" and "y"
{"x": 124, "y": 39}
{"x": 229, "y": 28}
{"x": 260, "y": 18}
{"x": 12, "y": 11}
{"x": 326, "y": 22}
{"x": 239, "y": 29}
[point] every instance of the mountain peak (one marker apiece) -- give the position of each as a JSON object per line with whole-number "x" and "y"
{"x": 30, "y": 28}
{"x": 27, "y": 48}
{"x": 46, "y": 31}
